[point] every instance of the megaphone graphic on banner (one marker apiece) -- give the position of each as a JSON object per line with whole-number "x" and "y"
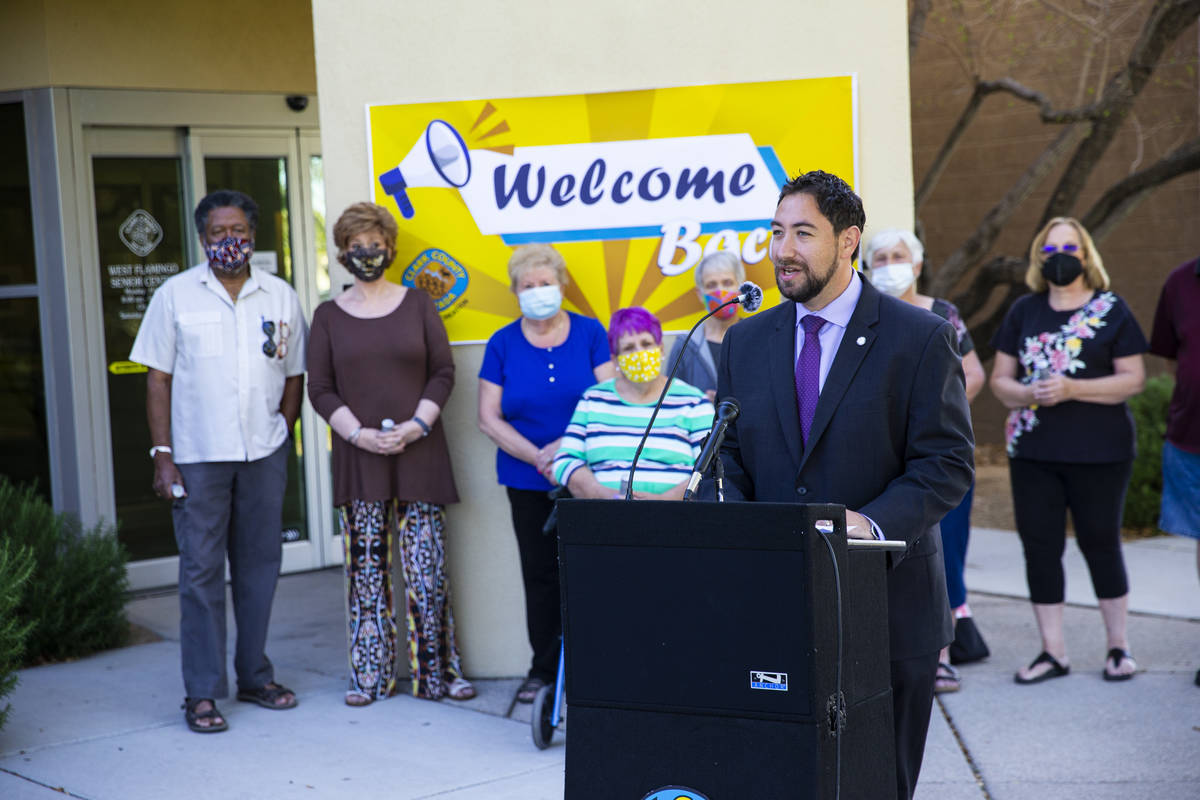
{"x": 439, "y": 158}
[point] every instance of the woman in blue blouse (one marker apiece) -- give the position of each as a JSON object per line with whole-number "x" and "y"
{"x": 534, "y": 371}
{"x": 1068, "y": 356}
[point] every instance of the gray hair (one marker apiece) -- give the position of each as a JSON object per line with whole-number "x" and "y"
{"x": 722, "y": 259}
{"x": 890, "y": 238}
{"x": 225, "y": 198}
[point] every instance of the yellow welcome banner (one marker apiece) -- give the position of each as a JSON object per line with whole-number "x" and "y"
{"x": 633, "y": 188}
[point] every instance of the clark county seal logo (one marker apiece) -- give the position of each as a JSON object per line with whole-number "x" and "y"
{"x": 674, "y": 793}
{"x": 439, "y": 275}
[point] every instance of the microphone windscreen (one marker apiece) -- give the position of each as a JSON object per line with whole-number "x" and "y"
{"x": 728, "y": 409}
{"x": 752, "y": 296}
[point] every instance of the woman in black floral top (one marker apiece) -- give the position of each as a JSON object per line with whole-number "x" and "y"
{"x": 1068, "y": 356}
{"x": 895, "y": 259}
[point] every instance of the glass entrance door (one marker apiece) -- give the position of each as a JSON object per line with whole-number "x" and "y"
{"x": 145, "y": 184}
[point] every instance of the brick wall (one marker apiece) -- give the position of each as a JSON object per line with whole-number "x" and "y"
{"x": 1068, "y": 61}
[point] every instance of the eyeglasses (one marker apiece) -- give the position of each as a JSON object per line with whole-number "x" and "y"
{"x": 1050, "y": 249}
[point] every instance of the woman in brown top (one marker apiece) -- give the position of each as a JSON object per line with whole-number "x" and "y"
{"x": 380, "y": 371}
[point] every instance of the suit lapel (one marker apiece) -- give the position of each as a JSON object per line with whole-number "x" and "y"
{"x": 783, "y": 377}
{"x": 856, "y": 342}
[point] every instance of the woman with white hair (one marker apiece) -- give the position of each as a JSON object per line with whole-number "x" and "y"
{"x": 894, "y": 259}
{"x": 534, "y": 371}
{"x": 718, "y": 276}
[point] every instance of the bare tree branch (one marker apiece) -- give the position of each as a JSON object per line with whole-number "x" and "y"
{"x": 1045, "y": 107}
{"x": 982, "y": 90}
{"x": 983, "y": 332}
{"x": 1166, "y": 20}
{"x": 972, "y": 251}
{"x": 1000, "y": 271}
{"x": 916, "y": 24}
{"x": 1088, "y": 25}
{"x": 1121, "y": 198}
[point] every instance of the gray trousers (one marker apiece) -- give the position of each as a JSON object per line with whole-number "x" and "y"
{"x": 233, "y": 508}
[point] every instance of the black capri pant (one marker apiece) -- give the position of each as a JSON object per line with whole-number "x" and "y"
{"x": 1095, "y": 494}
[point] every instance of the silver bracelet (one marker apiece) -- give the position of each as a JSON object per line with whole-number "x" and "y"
{"x": 353, "y": 437}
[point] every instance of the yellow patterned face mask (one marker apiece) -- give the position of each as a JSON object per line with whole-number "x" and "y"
{"x": 641, "y": 366}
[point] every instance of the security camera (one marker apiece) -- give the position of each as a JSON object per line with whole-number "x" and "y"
{"x": 297, "y": 102}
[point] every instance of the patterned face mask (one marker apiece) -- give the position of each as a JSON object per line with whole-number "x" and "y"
{"x": 229, "y": 255}
{"x": 641, "y": 366}
{"x": 714, "y": 299}
{"x": 366, "y": 263}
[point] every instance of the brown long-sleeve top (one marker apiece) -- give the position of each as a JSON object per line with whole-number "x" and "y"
{"x": 381, "y": 368}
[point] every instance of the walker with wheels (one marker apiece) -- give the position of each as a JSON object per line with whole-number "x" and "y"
{"x": 547, "y": 707}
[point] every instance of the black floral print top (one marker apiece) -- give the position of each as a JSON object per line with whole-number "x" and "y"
{"x": 947, "y": 311}
{"x": 1080, "y": 343}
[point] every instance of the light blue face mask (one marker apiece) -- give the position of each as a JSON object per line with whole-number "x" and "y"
{"x": 540, "y": 302}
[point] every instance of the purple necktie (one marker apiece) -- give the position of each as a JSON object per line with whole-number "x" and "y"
{"x": 808, "y": 373}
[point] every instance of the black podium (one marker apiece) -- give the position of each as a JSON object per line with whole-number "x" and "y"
{"x": 702, "y": 652}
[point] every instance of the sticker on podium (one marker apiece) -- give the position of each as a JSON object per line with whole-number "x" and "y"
{"x": 768, "y": 681}
{"x": 674, "y": 793}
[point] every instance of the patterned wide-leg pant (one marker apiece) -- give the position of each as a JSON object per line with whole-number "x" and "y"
{"x": 433, "y": 659}
{"x": 367, "y": 529}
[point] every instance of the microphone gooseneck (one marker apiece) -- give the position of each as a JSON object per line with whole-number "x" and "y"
{"x": 748, "y": 293}
{"x": 727, "y": 411}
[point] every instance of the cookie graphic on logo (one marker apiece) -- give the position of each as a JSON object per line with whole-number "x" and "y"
{"x": 435, "y": 279}
{"x": 439, "y": 275}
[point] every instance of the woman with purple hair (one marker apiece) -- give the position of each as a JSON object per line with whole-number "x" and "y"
{"x": 597, "y": 448}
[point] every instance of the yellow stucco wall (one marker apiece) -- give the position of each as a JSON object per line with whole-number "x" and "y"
{"x": 217, "y": 46}
{"x": 457, "y": 49}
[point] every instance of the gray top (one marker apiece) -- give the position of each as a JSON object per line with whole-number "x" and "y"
{"x": 698, "y": 367}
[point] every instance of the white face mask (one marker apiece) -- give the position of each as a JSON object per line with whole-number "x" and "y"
{"x": 893, "y": 279}
{"x": 540, "y": 302}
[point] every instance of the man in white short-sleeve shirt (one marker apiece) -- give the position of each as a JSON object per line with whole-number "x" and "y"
{"x": 225, "y": 350}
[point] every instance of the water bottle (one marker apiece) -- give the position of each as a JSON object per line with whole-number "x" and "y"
{"x": 177, "y": 491}
{"x": 387, "y": 424}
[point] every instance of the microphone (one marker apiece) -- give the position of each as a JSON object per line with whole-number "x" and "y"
{"x": 750, "y": 296}
{"x": 727, "y": 411}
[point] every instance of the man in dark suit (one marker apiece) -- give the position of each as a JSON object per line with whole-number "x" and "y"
{"x": 853, "y": 397}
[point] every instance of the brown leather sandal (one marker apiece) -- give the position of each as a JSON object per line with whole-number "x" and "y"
{"x": 268, "y": 696}
{"x": 193, "y": 716}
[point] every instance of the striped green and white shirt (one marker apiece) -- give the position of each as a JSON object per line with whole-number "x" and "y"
{"x": 605, "y": 430}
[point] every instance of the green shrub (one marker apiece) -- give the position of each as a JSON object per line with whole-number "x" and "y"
{"x": 75, "y": 598}
{"x": 1145, "y": 487}
{"x": 16, "y": 565}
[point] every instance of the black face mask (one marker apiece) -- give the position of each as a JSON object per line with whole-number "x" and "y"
{"x": 366, "y": 263}
{"x": 1061, "y": 269}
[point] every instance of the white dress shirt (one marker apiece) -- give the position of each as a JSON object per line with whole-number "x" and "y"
{"x": 225, "y": 388}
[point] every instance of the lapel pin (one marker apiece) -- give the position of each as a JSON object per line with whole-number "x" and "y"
{"x": 860, "y": 341}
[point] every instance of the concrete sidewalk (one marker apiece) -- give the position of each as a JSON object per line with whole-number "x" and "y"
{"x": 109, "y": 726}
